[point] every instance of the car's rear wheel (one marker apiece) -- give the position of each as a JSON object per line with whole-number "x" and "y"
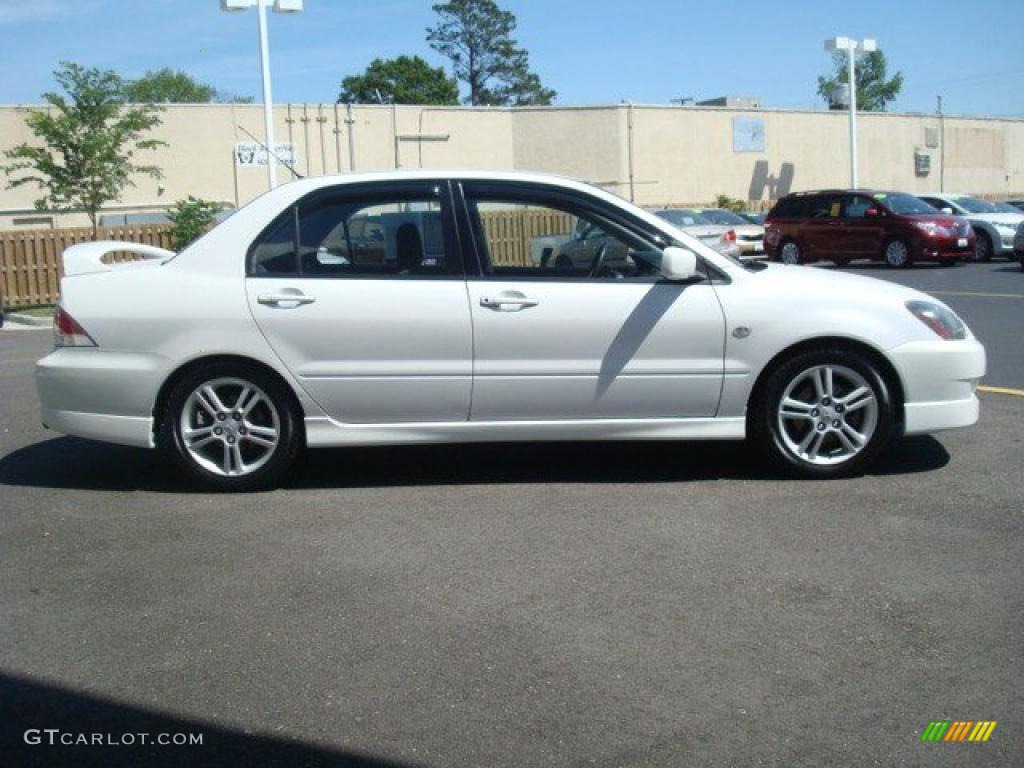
{"x": 982, "y": 247}
{"x": 231, "y": 427}
{"x": 824, "y": 414}
{"x": 789, "y": 253}
{"x": 897, "y": 254}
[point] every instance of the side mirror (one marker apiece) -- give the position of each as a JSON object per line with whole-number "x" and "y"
{"x": 678, "y": 264}
{"x": 947, "y": 211}
{"x": 872, "y": 213}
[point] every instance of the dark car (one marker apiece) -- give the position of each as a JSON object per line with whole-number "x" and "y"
{"x": 843, "y": 225}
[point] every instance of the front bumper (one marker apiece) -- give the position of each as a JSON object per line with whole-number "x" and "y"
{"x": 100, "y": 395}
{"x": 944, "y": 248}
{"x": 939, "y": 382}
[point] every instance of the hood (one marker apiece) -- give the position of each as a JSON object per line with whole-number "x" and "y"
{"x": 1013, "y": 219}
{"x": 800, "y": 280}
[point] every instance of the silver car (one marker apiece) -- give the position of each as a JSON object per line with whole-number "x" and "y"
{"x": 993, "y": 226}
{"x": 720, "y": 237}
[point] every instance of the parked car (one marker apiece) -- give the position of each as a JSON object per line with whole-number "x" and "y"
{"x": 993, "y": 228}
{"x": 720, "y": 237}
{"x": 1018, "y": 244}
{"x": 247, "y": 346}
{"x": 754, "y": 217}
{"x": 749, "y": 237}
{"x": 843, "y": 225}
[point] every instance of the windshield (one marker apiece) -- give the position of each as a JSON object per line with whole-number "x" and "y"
{"x": 907, "y": 205}
{"x": 683, "y": 217}
{"x": 724, "y": 217}
{"x": 1005, "y": 208}
{"x": 976, "y": 205}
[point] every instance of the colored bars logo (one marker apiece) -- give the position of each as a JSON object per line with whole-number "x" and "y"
{"x": 958, "y": 730}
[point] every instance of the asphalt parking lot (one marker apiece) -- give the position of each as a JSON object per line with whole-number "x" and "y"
{"x": 512, "y": 605}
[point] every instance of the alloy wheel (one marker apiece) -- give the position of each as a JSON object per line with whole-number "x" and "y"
{"x": 827, "y": 415}
{"x": 229, "y": 427}
{"x": 982, "y": 248}
{"x": 896, "y": 254}
{"x": 790, "y": 253}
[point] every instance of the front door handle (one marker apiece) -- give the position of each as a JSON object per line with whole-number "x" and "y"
{"x": 277, "y": 299}
{"x": 507, "y": 303}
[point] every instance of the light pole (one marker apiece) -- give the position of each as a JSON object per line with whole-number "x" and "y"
{"x": 852, "y": 47}
{"x": 280, "y": 6}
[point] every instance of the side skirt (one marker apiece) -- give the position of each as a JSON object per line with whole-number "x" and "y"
{"x": 325, "y": 432}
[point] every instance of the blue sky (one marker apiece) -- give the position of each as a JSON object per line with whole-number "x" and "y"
{"x": 590, "y": 51}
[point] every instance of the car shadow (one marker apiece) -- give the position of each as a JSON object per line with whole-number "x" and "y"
{"x": 27, "y": 707}
{"x": 1014, "y": 267}
{"x": 73, "y": 463}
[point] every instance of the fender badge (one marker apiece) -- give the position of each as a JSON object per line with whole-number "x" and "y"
{"x": 741, "y": 331}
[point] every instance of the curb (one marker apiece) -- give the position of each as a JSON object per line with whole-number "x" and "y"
{"x": 38, "y": 322}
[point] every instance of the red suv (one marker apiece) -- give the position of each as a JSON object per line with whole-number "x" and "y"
{"x": 842, "y": 225}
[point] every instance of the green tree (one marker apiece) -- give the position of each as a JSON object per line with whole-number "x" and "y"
{"x": 165, "y": 86}
{"x": 730, "y": 203}
{"x": 476, "y": 36}
{"x": 405, "y": 80}
{"x": 874, "y": 88}
{"x": 190, "y": 218}
{"x": 89, "y": 140}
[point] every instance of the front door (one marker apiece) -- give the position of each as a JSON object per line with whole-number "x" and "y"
{"x": 863, "y": 227}
{"x": 598, "y": 338}
{"x": 361, "y": 293}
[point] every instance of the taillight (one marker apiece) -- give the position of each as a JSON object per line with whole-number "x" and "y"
{"x": 730, "y": 236}
{"x": 67, "y": 332}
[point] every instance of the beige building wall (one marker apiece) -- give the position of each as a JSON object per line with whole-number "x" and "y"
{"x": 656, "y": 155}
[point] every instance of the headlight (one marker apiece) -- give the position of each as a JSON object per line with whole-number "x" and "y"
{"x": 928, "y": 227}
{"x": 942, "y": 320}
{"x": 1007, "y": 227}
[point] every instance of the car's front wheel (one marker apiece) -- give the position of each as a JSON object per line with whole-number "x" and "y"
{"x": 897, "y": 254}
{"x": 824, "y": 414}
{"x": 982, "y": 247}
{"x": 230, "y": 426}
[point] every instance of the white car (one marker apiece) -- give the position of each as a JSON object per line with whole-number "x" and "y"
{"x": 279, "y": 330}
{"x": 994, "y": 226}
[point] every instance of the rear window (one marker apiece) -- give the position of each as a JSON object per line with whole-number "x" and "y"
{"x": 789, "y": 208}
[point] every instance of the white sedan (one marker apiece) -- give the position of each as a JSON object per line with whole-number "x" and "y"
{"x": 406, "y": 307}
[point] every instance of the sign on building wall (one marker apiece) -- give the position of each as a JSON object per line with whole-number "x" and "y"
{"x": 253, "y": 153}
{"x": 748, "y": 134}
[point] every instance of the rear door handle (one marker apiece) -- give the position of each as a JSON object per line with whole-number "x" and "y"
{"x": 277, "y": 299}
{"x": 510, "y": 302}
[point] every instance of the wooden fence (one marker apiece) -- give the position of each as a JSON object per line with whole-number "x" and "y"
{"x": 30, "y": 263}
{"x": 510, "y": 232}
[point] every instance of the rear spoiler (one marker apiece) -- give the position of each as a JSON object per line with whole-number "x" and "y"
{"x": 88, "y": 257}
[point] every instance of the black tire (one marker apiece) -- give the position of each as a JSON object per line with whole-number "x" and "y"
{"x": 896, "y": 253}
{"x": 764, "y": 420}
{"x": 170, "y": 438}
{"x": 982, "y": 247}
{"x": 790, "y": 252}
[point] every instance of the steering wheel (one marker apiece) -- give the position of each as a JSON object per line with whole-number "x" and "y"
{"x": 598, "y": 262}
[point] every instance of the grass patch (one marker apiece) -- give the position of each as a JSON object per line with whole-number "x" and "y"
{"x": 40, "y": 310}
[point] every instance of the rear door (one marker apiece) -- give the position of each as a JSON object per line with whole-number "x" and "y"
{"x": 820, "y": 229}
{"x": 360, "y": 291}
{"x": 603, "y": 339}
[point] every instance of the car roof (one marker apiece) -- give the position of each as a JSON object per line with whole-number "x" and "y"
{"x": 858, "y": 191}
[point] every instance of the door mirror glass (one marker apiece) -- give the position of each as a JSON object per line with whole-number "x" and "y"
{"x": 678, "y": 264}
